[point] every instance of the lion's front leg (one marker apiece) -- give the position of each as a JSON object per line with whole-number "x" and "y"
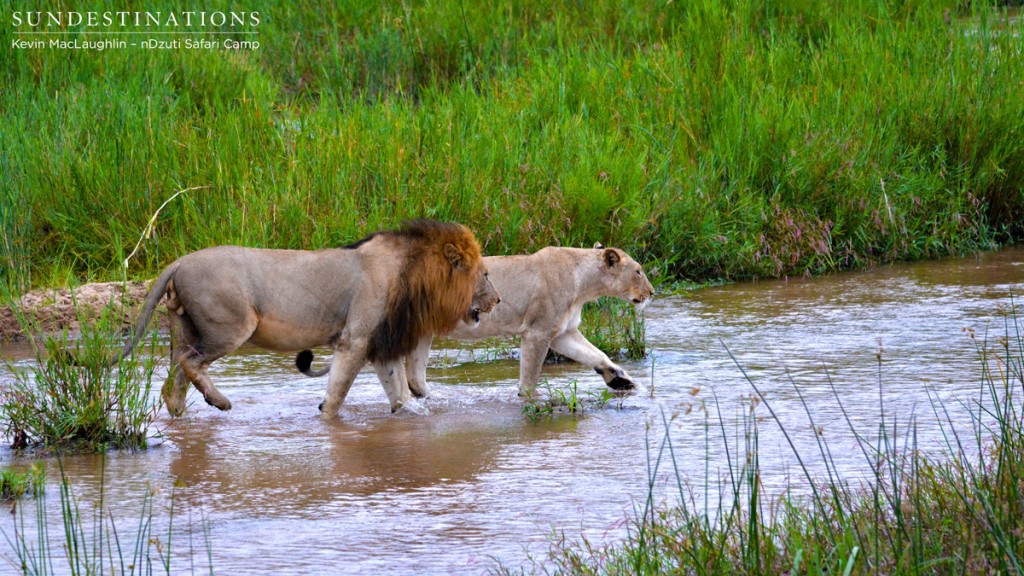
{"x": 349, "y": 358}
{"x": 392, "y": 377}
{"x": 416, "y": 368}
{"x": 574, "y": 345}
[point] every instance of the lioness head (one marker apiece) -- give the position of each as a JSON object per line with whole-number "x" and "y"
{"x": 625, "y": 277}
{"x": 485, "y": 297}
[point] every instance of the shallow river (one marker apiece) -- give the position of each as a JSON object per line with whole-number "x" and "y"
{"x": 273, "y": 490}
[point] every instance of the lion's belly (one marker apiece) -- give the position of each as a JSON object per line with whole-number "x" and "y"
{"x": 285, "y": 336}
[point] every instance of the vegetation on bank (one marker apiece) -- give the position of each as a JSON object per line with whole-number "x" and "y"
{"x": 711, "y": 139}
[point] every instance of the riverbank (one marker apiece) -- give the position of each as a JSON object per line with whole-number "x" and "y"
{"x": 46, "y": 311}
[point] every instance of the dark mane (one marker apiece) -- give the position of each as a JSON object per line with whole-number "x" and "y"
{"x": 431, "y": 296}
{"x": 359, "y": 243}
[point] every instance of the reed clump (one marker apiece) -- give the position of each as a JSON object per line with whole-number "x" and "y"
{"x": 72, "y": 399}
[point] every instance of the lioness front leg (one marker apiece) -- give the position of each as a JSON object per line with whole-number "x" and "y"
{"x": 532, "y": 352}
{"x": 349, "y": 358}
{"x": 576, "y": 346}
{"x": 416, "y": 368}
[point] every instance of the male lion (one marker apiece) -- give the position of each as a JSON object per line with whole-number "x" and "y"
{"x": 542, "y": 301}
{"x": 371, "y": 301}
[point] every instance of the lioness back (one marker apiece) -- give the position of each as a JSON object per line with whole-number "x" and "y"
{"x": 536, "y": 289}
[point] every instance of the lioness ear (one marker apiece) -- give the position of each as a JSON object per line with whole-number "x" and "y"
{"x": 598, "y": 246}
{"x": 453, "y": 254}
{"x": 611, "y": 257}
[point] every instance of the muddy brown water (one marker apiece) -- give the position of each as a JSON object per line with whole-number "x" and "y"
{"x": 273, "y": 490}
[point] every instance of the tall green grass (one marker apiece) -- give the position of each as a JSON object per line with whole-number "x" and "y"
{"x": 958, "y": 512}
{"x": 710, "y": 139}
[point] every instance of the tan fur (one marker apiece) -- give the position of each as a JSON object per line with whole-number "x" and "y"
{"x": 289, "y": 300}
{"x": 542, "y": 297}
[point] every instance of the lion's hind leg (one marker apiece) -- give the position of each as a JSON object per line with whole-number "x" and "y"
{"x": 175, "y": 388}
{"x": 201, "y": 347}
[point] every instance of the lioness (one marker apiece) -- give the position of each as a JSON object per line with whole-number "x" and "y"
{"x": 542, "y": 301}
{"x": 372, "y": 301}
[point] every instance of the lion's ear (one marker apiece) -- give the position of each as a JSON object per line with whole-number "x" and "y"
{"x": 455, "y": 256}
{"x": 598, "y": 246}
{"x": 611, "y": 257}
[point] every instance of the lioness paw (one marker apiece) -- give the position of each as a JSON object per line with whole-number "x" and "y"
{"x": 621, "y": 384}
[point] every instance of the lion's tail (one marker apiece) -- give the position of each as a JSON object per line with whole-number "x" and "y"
{"x": 156, "y": 293}
{"x": 304, "y": 362}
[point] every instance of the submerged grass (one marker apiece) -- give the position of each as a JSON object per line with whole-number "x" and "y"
{"x": 961, "y": 512}
{"x": 709, "y": 139}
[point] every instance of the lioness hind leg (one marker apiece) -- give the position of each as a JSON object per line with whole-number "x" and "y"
{"x": 574, "y": 345}
{"x": 532, "y": 352}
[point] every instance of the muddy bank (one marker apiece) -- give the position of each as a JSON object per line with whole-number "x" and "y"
{"x": 54, "y": 309}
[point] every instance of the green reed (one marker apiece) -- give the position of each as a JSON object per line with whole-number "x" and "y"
{"x": 71, "y": 399}
{"x": 709, "y": 139}
{"x": 615, "y": 327}
{"x": 958, "y": 512}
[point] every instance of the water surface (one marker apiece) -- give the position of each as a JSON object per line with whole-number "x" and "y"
{"x": 276, "y": 491}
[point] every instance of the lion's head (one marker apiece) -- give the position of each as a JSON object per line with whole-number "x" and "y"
{"x": 625, "y": 277}
{"x": 443, "y": 268}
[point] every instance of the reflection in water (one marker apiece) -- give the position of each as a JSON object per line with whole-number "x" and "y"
{"x": 281, "y": 492}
